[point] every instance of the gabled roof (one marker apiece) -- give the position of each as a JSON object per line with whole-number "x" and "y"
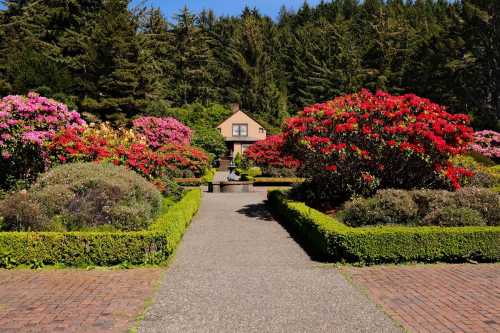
{"x": 239, "y": 111}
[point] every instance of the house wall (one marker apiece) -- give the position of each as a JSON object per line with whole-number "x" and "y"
{"x": 239, "y": 117}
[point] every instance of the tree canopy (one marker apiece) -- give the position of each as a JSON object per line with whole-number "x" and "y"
{"x": 114, "y": 61}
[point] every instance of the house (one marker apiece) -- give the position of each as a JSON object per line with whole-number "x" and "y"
{"x": 240, "y": 131}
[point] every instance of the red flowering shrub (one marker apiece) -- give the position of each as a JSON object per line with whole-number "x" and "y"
{"x": 73, "y": 145}
{"x": 268, "y": 154}
{"x": 166, "y": 162}
{"x": 358, "y": 143}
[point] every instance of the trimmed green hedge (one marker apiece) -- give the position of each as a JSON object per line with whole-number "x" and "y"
{"x": 324, "y": 236}
{"x": 277, "y": 181}
{"x": 151, "y": 246}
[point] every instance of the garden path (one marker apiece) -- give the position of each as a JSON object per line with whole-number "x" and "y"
{"x": 238, "y": 270}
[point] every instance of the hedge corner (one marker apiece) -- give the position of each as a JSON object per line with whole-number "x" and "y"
{"x": 151, "y": 246}
{"x": 330, "y": 239}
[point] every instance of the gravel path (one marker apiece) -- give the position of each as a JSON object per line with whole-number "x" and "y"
{"x": 238, "y": 270}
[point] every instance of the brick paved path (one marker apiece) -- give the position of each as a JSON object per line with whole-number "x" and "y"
{"x": 73, "y": 300}
{"x": 436, "y": 298}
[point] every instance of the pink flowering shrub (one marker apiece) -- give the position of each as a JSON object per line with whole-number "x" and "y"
{"x": 26, "y": 122}
{"x": 162, "y": 131}
{"x": 487, "y": 143}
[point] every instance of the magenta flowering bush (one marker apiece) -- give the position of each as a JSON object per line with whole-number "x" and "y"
{"x": 26, "y": 122}
{"x": 162, "y": 131}
{"x": 487, "y": 143}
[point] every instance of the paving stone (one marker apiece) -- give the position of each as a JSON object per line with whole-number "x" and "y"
{"x": 436, "y": 298}
{"x": 44, "y": 301}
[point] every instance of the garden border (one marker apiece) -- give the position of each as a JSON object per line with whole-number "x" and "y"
{"x": 277, "y": 181}
{"x": 151, "y": 246}
{"x": 333, "y": 241}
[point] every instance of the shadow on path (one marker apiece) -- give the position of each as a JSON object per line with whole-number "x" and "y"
{"x": 261, "y": 212}
{"x": 258, "y": 211}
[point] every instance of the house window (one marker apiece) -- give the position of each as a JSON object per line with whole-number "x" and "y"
{"x": 261, "y": 130}
{"x": 240, "y": 129}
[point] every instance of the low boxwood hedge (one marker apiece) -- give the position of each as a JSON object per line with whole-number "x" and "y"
{"x": 277, "y": 181}
{"x": 190, "y": 181}
{"x": 333, "y": 241}
{"x": 151, "y": 246}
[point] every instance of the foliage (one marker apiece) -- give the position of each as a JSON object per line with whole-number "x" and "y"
{"x": 487, "y": 143}
{"x": 425, "y": 207}
{"x": 171, "y": 160}
{"x": 278, "y": 181}
{"x": 452, "y": 216}
{"x": 333, "y": 241}
{"x": 386, "y": 207}
{"x": 359, "y": 143}
{"x": 162, "y": 131}
{"x": 115, "y": 136}
{"x": 80, "y": 196}
{"x": 152, "y": 246}
{"x": 210, "y": 140}
{"x": 169, "y": 188}
{"x": 25, "y": 123}
{"x": 118, "y": 61}
{"x": 269, "y": 155}
{"x": 485, "y": 173}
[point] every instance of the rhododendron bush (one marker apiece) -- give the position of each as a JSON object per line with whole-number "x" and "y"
{"x": 161, "y": 131}
{"x": 269, "y": 155}
{"x": 37, "y": 133}
{"x": 358, "y": 143}
{"x": 26, "y": 122}
{"x": 171, "y": 160}
{"x": 487, "y": 143}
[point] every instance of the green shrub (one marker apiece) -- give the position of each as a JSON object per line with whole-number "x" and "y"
{"x": 152, "y": 246}
{"x": 410, "y": 207}
{"x": 453, "y": 216}
{"x": 482, "y": 200}
{"x": 21, "y": 212}
{"x": 172, "y": 189}
{"x": 429, "y": 200}
{"x": 386, "y": 207}
{"x": 210, "y": 140}
{"x": 86, "y": 195}
{"x": 333, "y": 241}
{"x": 209, "y": 175}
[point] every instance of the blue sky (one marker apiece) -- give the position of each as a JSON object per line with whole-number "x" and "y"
{"x": 227, "y": 7}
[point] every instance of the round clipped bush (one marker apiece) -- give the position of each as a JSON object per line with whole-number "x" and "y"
{"x": 84, "y": 196}
{"x": 482, "y": 200}
{"x": 357, "y": 144}
{"x": 26, "y": 122}
{"x": 386, "y": 207}
{"x": 453, "y": 216}
{"x": 425, "y": 207}
{"x": 21, "y": 213}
